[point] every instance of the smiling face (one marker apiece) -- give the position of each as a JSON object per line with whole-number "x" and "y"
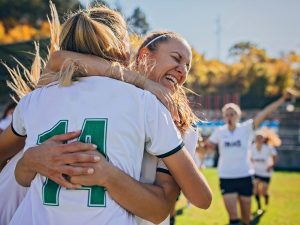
{"x": 172, "y": 62}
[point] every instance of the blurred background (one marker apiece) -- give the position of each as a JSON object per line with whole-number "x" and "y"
{"x": 246, "y": 52}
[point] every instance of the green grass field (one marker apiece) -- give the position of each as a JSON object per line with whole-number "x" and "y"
{"x": 284, "y": 207}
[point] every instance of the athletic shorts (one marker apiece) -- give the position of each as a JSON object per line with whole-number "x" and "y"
{"x": 242, "y": 186}
{"x": 264, "y": 179}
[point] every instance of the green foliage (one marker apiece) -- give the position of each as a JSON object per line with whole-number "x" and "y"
{"x": 137, "y": 22}
{"x": 32, "y": 11}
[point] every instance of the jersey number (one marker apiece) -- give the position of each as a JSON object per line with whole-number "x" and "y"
{"x": 93, "y": 131}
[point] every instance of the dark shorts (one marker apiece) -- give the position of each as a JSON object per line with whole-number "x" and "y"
{"x": 242, "y": 186}
{"x": 263, "y": 179}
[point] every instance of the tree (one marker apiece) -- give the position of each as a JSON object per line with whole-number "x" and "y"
{"x": 137, "y": 22}
{"x": 32, "y": 12}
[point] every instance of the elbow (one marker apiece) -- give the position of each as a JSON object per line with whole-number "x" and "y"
{"x": 159, "y": 218}
{"x": 204, "y": 201}
{"x": 159, "y": 215}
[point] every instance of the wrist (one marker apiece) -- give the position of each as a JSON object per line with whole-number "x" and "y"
{"x": 28, "y": 160}
{"x": 108, "y": 180}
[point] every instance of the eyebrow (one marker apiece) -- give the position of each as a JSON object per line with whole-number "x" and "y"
{"x": 180, "y": 57}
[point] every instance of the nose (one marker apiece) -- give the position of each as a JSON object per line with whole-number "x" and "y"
{"x": 182, "y": 71}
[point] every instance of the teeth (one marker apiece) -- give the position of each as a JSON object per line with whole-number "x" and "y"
{"x": 171, "y": 78}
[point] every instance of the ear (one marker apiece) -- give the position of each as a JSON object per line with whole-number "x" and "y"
{"x": 144, "y": 53}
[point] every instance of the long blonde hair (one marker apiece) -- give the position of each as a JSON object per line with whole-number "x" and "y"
{"x": 98, "y": 31}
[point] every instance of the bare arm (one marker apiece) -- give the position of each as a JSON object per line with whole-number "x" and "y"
{"x": 192, "y": 183}
{"x": 261, "y": 116}
{"x": 10, "y": 144}
{"x": 272, "y": 163}
{"x": 150, "y": 202}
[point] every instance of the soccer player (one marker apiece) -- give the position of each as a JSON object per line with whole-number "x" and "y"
{"x": 234, "y": 140}
{"x": 172, "y": 56}
{"x": 263, "y": 157}
{"x": 82, "y": 107}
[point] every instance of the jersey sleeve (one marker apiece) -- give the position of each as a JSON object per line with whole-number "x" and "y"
{"x": 248, "y": 126}
{"x": 215, "y": 136}
{"x": 18, "y": 125}
{"x": 5, "y": 123}
{"x": 162, "y": 137}
{"x": 190, "y": 140}
{"x": 273, "y": 151}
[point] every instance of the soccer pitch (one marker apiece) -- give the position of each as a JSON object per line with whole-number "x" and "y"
{"x": 283, "y": 209}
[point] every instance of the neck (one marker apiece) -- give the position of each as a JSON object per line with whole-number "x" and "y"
{"x": 258, "y": 146}
{"x": 231, "y": 127}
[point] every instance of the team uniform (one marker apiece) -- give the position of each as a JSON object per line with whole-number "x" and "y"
{"x": 11, "y": 192}
{"x": 5, "y": 122}
{"x": 234, "y": 166}
{"x": 152, "y": 164}
{"x": 260, "y": 159}
{"x": 119, "y": 118}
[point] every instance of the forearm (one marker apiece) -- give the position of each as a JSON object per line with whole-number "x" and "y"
{"x": 261, "y": 116}
{"x": 24, "y": 171}
{"x": 92, "y": 65}
{"x": 143, "y": 200}
{"x": 192, "y": 183}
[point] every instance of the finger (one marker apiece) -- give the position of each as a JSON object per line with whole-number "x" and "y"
{"x": 80, "y": 157}
{"x": 71, "y": 170}
{"x": 65, "y": 137}
{"x": 78, "y": 180}
{"x": 64, "y": 183}
{"x": 79, "y": 147}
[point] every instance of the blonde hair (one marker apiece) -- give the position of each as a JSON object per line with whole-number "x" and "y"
{"x": 232, "y": 106}
{"x": 98, "y": 31}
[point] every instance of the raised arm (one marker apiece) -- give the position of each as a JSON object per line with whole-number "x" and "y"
{"x": 261, "y": 116}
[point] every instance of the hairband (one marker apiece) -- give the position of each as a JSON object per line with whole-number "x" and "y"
{"x": 150, "y": 42}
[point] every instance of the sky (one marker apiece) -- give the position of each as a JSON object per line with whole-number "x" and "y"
{"x": 273, "y": 25}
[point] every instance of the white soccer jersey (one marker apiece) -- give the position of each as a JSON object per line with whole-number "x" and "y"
{"x": 11, "y": 192}
{"x": 4, "y": 123}
{"x": 233, "y": 146}
{"x": 119, "y": 118}
{"x": 151, "y": 164}
{"x": 260, "y": 159}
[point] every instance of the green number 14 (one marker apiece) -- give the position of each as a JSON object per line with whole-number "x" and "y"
{"x": 93, "y": 131}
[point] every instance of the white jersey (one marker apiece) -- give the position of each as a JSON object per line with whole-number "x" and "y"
{"x": 233, "y": 147}
{"x": 151, "y": 164}
{"x": 11, "y": 192}
{"x": 4, "y": 123}
{"x": 119, "y": 118}
{"x": 260, "y": 159}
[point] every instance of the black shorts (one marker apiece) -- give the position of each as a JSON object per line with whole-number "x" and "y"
{"x": 264, "y": 179}
{"x": 242, "y": 186}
